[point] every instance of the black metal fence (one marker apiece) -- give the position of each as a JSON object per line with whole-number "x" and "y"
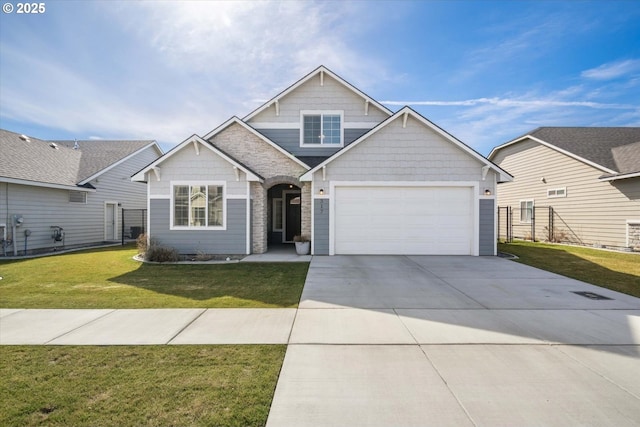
{"x": 134, "y": 223}
{"x": 535, "y": 223}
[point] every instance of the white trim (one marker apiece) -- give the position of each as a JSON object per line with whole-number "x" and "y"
{"x": 630, "y": 222}
{"x": 296, "y": 125}
{"x": 505, "y": 176}
{"x": 620, "y": 176}
{"x": 533, "y": 206}
{"x": 106, "y": 204}
{"x": 46, "y": 185}
{"x": 124, "y": 159}
{"x": 321, "y": 113}
{"x": 323, "y": 70}
{"x": 222, "y": 227}
{"x": 284, "y": 212}
{"x": 556, "y": 196}
{"x": 160, "y": 196}
{"x": 237, "y": 196}
{"x": 248, "y": 219}
{"x": 148, "y": 230}
{"x": 141, "y": 175}
{"x": 274, "y": 203}
{"x": 553, "y": 147}
{"x": 313, "y": 218}
{"x": 473, "y": 185}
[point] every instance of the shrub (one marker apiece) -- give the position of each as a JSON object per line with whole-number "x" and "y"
{"x": 159, "y": 253}
{"x": 141, "y": 243}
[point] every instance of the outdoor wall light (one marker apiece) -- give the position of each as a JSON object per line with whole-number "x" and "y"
{"x": 487, "y": 192}
{"x": 321, "y": 191}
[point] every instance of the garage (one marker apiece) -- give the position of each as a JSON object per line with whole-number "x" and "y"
{"x": 409, "y": 220}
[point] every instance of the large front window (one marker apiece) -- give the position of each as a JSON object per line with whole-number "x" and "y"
{"x": 198, "y": 205}
{"x": 321, "y": 128}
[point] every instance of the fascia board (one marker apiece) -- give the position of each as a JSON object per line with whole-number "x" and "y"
{"x": 46, "y": 185}
{"x": 307, "y": 78}
{"x": 257, "y": 134}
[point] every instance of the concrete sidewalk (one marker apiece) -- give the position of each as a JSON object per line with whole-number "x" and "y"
{"x": 411, "y": 341}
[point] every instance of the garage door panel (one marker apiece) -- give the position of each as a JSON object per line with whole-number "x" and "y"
{"x": 403, "y": 220}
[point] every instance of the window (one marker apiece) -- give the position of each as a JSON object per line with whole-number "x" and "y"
{"x": 526, "y": 210}
{"x": 277, "y": 214}
{"x": 198, "y": 205}
{"x": 557, "y": 192}
{"x": 321, "y": 128}
{"x": 77, "y": 197}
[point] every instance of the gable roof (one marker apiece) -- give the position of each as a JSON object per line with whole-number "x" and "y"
{"x": 613, "y": 150}
{"x": 140, "y": 176}
{"x": 236, "y": 120}
{"x": 32, "y": 161}
{"x": 56, "y": 164}
{"x": 320, "y": 70}
{"x": 98, "y": 156}
{"x": 406, "y": 112}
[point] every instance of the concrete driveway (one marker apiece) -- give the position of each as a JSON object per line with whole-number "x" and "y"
{"x": 455, "y": 341}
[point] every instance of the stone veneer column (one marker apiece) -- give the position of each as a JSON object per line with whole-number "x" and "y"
{"x": 259, "y": 225}
{"x": 305, "y": 215}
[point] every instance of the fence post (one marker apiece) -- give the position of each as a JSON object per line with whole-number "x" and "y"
{"x": 122, "y": 228}
{"x": 533, "y": 224}
{"x": 552, "y": 237}
{"x": 509, "y": 224}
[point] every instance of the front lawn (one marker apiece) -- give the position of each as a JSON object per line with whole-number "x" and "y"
{"x": 110, "y": 278}
{"x": 136, "y": 386}
{"x": 617, "y": 271}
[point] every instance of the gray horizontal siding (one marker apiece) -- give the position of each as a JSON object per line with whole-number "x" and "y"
{"x": 289, "y": 139}
{"x": 487, "y": 223}
{"x": 229, "y": 241}
{"x": 321, "y": 227}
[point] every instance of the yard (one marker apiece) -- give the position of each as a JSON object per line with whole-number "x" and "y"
{"x": 617, "y": 271}
{"x": 110, "y": 278}
{"x": 141, "y": 385}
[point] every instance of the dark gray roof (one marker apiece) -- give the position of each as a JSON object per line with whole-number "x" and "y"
{"x": 614, "y": 148}
{"x": 57, "y": 162}
{"x": 312, "y": 161}
{"x": 100, "y": 154}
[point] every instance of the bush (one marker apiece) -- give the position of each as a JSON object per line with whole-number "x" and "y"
{"x": 141, "y": 243}
{"x": 159, "y": 253}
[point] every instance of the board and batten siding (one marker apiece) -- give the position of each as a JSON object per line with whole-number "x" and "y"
{"x": 592, "y": 213}
{"x": 232, "y": 241}
{"x": 289, "y": 139}
{"x": 83, "y": 223}
{"x": 321, "y": 226}
{"x": 486, "y": 233}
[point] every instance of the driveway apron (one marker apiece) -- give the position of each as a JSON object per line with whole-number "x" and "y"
{"x": 454, "y": 341}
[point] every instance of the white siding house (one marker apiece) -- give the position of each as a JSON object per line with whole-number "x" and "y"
{"x": 82, "y": 190}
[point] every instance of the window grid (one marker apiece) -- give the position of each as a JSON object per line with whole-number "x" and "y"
{"x": 198, "y": 206}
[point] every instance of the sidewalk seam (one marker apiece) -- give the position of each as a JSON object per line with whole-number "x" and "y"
{"x": 82, "y": 326}
{"x": 204, "y": 310}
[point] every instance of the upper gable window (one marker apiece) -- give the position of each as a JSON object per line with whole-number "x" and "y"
{"x": 321, "y": 128}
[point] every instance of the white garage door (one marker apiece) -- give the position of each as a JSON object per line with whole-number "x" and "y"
{"x": 404, "y": 220}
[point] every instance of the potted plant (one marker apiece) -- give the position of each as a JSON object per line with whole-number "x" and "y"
{"x": 303, "y": 244}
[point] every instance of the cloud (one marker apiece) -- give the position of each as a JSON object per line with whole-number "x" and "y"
{"x": 613, "y": 70}
{"x": 506, "y": 102}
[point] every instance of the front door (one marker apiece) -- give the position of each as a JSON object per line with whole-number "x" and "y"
{"x": 110, "y": 217}
{"x": 292, "y": 203}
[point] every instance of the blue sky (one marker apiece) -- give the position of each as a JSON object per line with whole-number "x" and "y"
{"x": 484, "y": 71}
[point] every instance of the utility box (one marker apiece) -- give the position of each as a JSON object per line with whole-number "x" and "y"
{"x": 18, "y": 220}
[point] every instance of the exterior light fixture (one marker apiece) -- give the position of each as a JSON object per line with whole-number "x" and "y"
{"x": 321, "y": 191}
{"x": 487, "y": 192}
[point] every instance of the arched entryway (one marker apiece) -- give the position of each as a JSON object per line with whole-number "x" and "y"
{"x": 284, "y": 214}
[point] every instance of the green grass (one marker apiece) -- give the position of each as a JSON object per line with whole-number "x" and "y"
{"x": 617, "y": 271}
{"x": 144, "y": 385}
{"x": 110, "y": 278}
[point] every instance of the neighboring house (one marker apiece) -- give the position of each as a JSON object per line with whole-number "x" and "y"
{"x": 79, "y": 186}
{"x": 590, "y": 176}
{"x": 325, "y": 160}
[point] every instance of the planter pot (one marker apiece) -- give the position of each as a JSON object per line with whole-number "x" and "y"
{"x": 302, "y": 248}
